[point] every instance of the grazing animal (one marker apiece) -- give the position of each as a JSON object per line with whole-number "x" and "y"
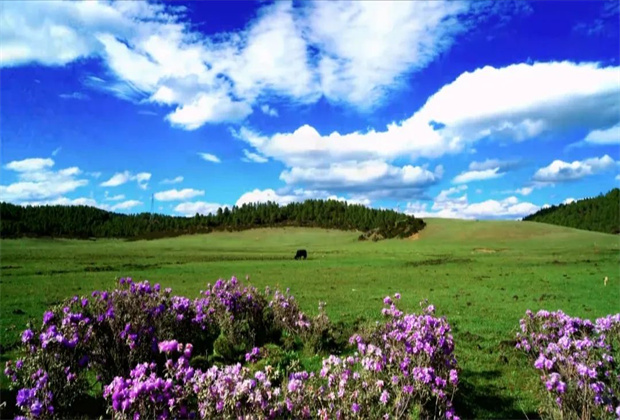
{"x": 301, "y": 253}
{"x": 606, "y": 279}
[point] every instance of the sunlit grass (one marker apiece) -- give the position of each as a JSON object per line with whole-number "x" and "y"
{"x": 481, "y": 275}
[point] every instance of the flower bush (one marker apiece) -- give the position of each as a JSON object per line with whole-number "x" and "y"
{"x": 578, "y": 361}
{"x": 141, "y": 344}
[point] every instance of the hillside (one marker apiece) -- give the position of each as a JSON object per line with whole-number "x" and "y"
{"x": 601, "y": 214}
{"x": 89, "y": 222}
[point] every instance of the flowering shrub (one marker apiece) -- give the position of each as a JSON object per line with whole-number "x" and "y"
{"x": 128, "y": 341}
{"x": 408, "y": 360}
{"x": 578, "y": 361}
{"x": 409, "y": 371}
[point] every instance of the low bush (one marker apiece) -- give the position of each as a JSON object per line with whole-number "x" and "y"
{"x": 233, "y": 360}
{"x": 578, "y": 361}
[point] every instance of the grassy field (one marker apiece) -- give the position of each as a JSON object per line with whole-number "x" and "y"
{"x": 481, "y": 275}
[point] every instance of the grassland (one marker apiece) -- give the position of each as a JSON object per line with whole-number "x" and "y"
{"x": 481, "y": 275}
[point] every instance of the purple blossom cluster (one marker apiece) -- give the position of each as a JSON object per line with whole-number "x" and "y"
{"x": 578, "y": 361}
{"x": 407, "y": 368}
{"x": 131, "y": 340}
{"x": 146, "y": 395}
{"x": 287, "y": 314}
{"x": 411, "y": 357}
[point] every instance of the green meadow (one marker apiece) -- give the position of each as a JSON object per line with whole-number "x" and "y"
{"x": 481, "y": 275}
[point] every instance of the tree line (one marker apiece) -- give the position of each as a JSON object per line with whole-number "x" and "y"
{"x": 90, "y": 222}
{"x": 601, "y": 214}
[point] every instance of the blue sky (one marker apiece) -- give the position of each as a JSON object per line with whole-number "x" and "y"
{"x": 455, "y": 109}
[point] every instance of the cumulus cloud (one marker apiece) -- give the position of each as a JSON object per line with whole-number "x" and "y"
{"x": 287, "y": 196}
{"x": 524, "y": 190}
{"x": 517, "y": 102}
{"x": 560, "y": 171}
{"x": 604, "y": 137}
{"x": 178, "y": 195}
{"x": 513, "y": 103}
{"x": 348, "y": 52}
{"x": 176, "y": 180}
{"x": 126, "y": 205}
{"x": 447, "y": 205}
{"x": 361, "y": 176}
{"x": 569, "y": 200}
{"x": 117, "y": 197}
{"x": 201, "y": 207}
{"x": 469, "y": 176}
{"x": 253, "y": 157}
{"x": 267, "y": 110}
{"x": 121, "y": 178}
{"x": 30, "y": 165}
{"x": 36, "y": 181}
{"x": 209, "y": 157}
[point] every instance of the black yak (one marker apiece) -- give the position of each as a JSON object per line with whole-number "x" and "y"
{"x": 301, "y": 253}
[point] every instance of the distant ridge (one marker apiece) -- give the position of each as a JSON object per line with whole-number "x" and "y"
{"x": 90, "y": 222}
{"x": 601, "y": 214}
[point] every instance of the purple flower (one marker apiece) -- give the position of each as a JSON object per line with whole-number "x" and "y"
{"x": 168, "y": 346}
{"x": 454, "y": 378}
{"x": 23, "y": 396}
{"x": 47, "y": 317}
{"x": 36, "y": 408}
{"x": 355, "y": 408}
{"x": 27, "y": 336}
{"x": 385, "y": 396}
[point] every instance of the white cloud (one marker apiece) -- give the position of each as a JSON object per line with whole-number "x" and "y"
{"x": 201, "y": 207}
{"x": 569, "y": 200}
{"x": 299, "y": 52}
{"x": 117, "y": 179}
{"x": 560, "y": 171}
{"x": 209, "y": 157}
{"x": 30, "y": 165}
{"x": 502, "y": 165}
{"x": 366, "y": 47}
{"x": 517, "y": 102}
{"x": 36, "y": 181}
{"x": 267, "y": 110}
{"x": 253, "y": 157}
{"x": 178, "y": 195}
{"x": 263, "y": 196}
{"x": 287, "y": 196}
{"x": 525, "y": 190}
{"x": 125, "y": 205}
{"x": 446, "y": 205}
{"x": 208, "y": 108}
{"x": 142, "y": 179}
{"x": 470, "y": 176}
{"x": 176, "y": 180}
{"x": 121, "y": 178}
{"x": 604, "y": 137}
{"x": 74, "y": 95}
{"x": 56, "y": 151}
{"x": 361, "y": 176}
{"x": 64, "y": 201}
{"x": 117, "y": 197}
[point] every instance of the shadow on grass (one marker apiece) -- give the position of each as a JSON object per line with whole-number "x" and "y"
{"x": 86, "y": 407}
{"x": 478, "y": 399}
